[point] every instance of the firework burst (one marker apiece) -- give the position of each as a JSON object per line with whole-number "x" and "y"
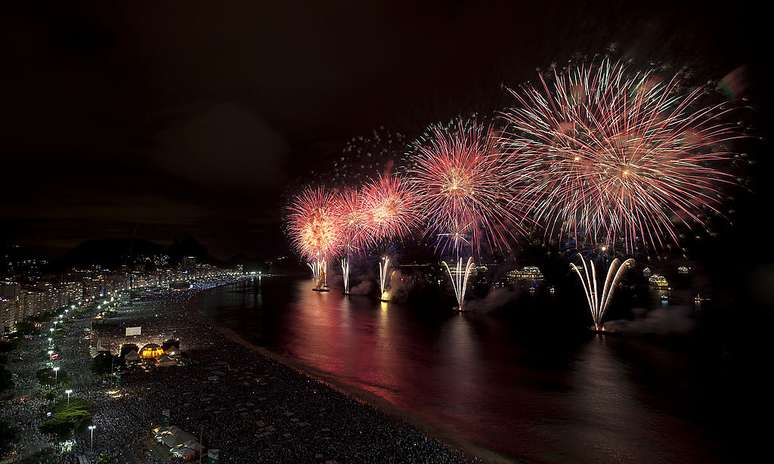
{"x": 353, "y": 220}
{"x": 389, "y": 205}
{"x": 610, "y": 155}
{"x": 389, "y": 208}
{"x": 465, "y": 187}
{"x": 355, "y": 236}
{"x": 315, "y": 228}
{"x": 465, "y": 192}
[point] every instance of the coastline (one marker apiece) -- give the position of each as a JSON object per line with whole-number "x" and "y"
{"x": 363, "y": 397}
{"x": 252, "y": 404}
{"x": 257, "y": 407}
{"x": 366, "y": 399}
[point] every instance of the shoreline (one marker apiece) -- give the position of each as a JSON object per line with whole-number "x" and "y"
{"x": 366, "y": 398}
{"x": 253, "y": 405}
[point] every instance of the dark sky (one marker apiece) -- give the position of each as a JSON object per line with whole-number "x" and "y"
{"x": 156, "y": 119}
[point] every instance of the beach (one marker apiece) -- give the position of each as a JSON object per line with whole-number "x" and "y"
{"x": 234, "y": 397}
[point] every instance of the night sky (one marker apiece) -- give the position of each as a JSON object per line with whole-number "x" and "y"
{"x": 160, "y": 119}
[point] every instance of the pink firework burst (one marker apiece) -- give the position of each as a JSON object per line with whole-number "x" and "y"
{"x": 606, "y": 154}
{"x": 313, "y": 223}
{"x": 354, "y": 225}
{"x": 389, "y": 205}
{"x": 465, "y": 187}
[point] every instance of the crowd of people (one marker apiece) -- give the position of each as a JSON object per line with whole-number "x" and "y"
{"x": 23, "y": 409}
{"x": 249, "y": 407}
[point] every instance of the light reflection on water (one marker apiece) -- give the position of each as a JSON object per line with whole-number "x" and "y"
{"x": 471, "y": 375}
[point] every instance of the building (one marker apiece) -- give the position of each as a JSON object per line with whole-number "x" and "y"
{"x": 23, "y": 297}
{"x": 526, "y": 274}
{"x": 658, "y": 282}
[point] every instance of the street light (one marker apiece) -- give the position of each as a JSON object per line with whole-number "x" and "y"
{"x": 56, "y": 374}
{"x": 91, "y": 432}
{"x": 68, "y": 391}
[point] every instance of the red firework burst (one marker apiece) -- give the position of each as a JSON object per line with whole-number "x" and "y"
{"x": 611, "y": 155}
{"x": 313, "y": 224}
{"x": 465, "y": 188}
{"x": 355, "y": 233}
{"x": 389, "y": 206}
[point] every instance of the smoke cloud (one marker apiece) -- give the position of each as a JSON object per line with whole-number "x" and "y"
{"x": 363, "y": 288}
{"x": 495, "y": 298}
{"x": 400, "y": 286}
{"x": 672, "y": 320}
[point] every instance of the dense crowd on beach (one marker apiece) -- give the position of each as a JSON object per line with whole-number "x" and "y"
{"x": 249, "y": 407}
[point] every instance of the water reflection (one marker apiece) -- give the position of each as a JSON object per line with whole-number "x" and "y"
{"x": 619, "y": 417}
{"x": 459, "y": 353}
{"x": 476, "y": 376}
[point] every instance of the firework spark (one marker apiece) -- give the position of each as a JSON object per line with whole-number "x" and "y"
{"x": 610, "y": 155}
{"x": 389, "y": 206}
{"x": 384, "y": 278}
{"x": 598, "y": 303}
{"x": 355, "y": 236}
{"x": 363, "y": 155}
{"x": 465, "y": 192}
{"x": 459, "y": 278}
{"x": 319, "y": 269}
{"x": 353, "y": 220}
{"x": 314, "y": 228}
{"x": 465, "y": 188}
{"x": 345, "y": 273}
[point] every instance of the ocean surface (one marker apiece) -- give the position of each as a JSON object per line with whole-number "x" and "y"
{"x": 501, "y": 379}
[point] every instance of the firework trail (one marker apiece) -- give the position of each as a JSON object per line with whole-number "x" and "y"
{"x": 314, "y": 228}
{"x": 384, "y": 278}
{"x": 315, "y": 271}
{"x": 319, "y": 269}
{"x": 598, "y": 303}
{"x": 460, "y": 276}
{"x": 345, "y": 273}
{"x": 610, "y": 155}
{"x": 465, "y": 192}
